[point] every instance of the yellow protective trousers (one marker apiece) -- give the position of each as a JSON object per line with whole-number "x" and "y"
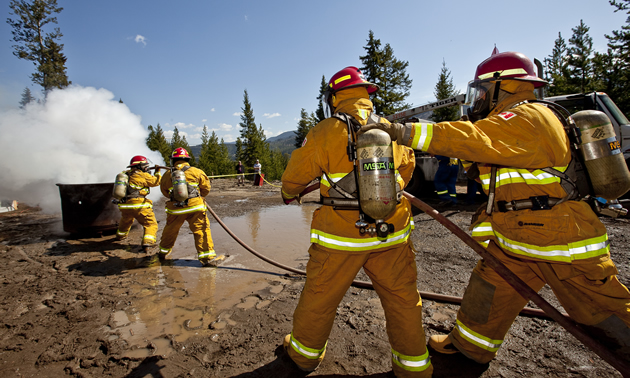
{"x": 199, "y": 225}
{"x": 590, "y": 293}
{"x": 144, "y": 215}
{"x": 328, "y": 277}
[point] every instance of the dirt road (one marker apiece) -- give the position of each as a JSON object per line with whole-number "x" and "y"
{"x": 67, "y": 305}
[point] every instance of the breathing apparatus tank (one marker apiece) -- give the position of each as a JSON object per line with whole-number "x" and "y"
{"x": 376, "y": 178}
{"x": 602, "y": 154}
{"x": 120, "y": 186}
{"x": 180, "y": 186}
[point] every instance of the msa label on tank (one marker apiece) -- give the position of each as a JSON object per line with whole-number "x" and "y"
{"x": 376, "y": 166}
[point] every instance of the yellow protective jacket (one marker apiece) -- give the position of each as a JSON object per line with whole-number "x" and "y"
{"x": 520, "y": 141}
{"x": 141, "y": 182}
{"x": 194, "y": 177}
{"x": 323, "y": 155}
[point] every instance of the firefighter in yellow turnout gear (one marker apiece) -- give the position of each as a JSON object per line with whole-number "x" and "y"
{"x": 538, "y": 232}
{"x": 135, "y": 205}
{"x": 192, "y": 210}
{"x": 338, "y": 250}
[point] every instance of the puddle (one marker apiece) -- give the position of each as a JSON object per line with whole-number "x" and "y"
{"x": 179, "y": 299}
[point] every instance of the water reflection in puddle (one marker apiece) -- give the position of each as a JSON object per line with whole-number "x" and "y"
{"x": 178, "y": 299}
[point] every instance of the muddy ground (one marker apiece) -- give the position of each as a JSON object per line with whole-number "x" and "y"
{"x": 59, "y": 293}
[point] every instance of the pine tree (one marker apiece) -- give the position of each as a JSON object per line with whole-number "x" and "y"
{"x": 252, "y": 137}
{"x": 156, "y": 141}
{"x": 556, "y": 68}
{"x": 209, "y": 148}
{"x": 36, "y": 45}
{"x": 225, "y": 166}
{"x": 579, "y": 62}
{"x": 27, "y": 98}
{"x": 619, "y": 58}
{"x": 382, "y": 68}
{"x": 304, "y": 126}
{"x": 319, "y": 113}
{"x": 445, "y": 88}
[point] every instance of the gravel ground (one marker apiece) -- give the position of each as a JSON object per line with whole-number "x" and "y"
{"x": 59, "y": 293}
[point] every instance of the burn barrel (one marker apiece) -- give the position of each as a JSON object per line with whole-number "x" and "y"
{"x": 88, "y": 208}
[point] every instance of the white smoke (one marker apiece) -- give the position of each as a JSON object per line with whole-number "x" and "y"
{"x": 79, "y": 135}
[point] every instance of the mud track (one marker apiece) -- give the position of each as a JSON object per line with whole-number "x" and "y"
{"x": 60, "y": 293}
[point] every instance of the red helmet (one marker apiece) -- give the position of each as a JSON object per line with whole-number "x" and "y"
{"x": 349, "y": 77}
{"x": 509, "y": 65}
{"x": 180, "y": 154}
{"x": 138, "y": 160}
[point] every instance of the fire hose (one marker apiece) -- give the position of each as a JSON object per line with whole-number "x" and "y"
{"x": 521, "y": 287}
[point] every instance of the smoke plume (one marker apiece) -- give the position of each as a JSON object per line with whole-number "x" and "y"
{"x": 79, "y": 135}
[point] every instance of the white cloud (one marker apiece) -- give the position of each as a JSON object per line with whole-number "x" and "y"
{"x": 181, "y": 125}
{"x": 204, "y": 120}
{"x": 225, "y": 126}
{"x": 268, "y": 133}
{"x": 237, "y": 114}
{"x": 228, "y": 138}
{"x": 272, "y": 115}
{"x": 246, "y": 18}
{"x": 212, "y": 109}
{"x": 140, "y": 39}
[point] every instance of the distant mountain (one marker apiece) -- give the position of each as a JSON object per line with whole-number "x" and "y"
{"x": 284, "y": 142}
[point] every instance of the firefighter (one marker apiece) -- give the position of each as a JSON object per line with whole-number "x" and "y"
{"x": 445, "y": 180}
{"x": 192, "y": 210}
{"x": 532, "y": 226}
{"x": 135, "y": 205}
{"x": 339, "y": 250}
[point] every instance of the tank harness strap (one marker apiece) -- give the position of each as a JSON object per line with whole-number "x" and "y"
{"x": 132, "y": 192}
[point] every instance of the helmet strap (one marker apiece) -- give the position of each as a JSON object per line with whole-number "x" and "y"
{"x": 497, "y": 89}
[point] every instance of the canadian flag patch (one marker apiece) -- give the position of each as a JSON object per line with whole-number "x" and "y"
{"x": 303, "y": 142}
{"x": 507, "y": 115}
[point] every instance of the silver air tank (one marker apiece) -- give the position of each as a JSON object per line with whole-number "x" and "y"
{"x": 120, "y": 186}
{"x": 180, "y": 186}
{"x": 602, "y": 155}
{"x": 377, "y": 175}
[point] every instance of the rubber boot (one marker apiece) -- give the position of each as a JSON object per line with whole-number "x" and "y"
{"x": 442, "y": 344}
{"x": 287, "y": 344}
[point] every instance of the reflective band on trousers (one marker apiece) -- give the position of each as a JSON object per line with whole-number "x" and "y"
{"x": 165, "y": 250}
{"x": 209, "y": 253}
{"x": 507, "y": 176}
{"x": 422, "y": 136}
{"x": 135, "y": 205}
{"x": 149, "y": 237}
{"x": 479, "y": 340}
{"x": 583, "y": 249}
{"x": 310, "y": 353}
{"x": 357, "y": 244}
{"x": 412, "y": 363}
{"x": 187, "y": 210}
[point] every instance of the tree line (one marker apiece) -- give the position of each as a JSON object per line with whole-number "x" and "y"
{"x": 572, "y": 67}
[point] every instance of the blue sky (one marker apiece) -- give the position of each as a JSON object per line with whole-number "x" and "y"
{"x": 187, "y": 63}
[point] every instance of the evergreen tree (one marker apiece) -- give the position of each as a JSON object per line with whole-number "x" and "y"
{"x": 556, "y": 72}
{"x": 27, "y": 98}
{"x": 304, "y": 126}
{"x": 445, "y": 88}
{"x": 252, "y": 137}
{"x": 208, "y": 154}
{"x": 619, "y": 58}
{"x": 382, "y": 68}
{"x": 156, "y": 141}
{"x": 319, "y": 113}
{"x": 225, "y": 166}
{"x": 36, "y": 45}
{"x": 579, "y": 62}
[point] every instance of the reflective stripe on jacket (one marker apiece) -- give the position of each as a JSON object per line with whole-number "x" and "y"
{"x": 521, "y": 141}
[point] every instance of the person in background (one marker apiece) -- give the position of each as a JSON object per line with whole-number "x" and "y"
{"x": 240, "y": 177}
{"x": 135, "y": 205}
{"x": 445, "y": 180}
{"x": 192, "y": 210}
{"x": 338, "y": 248}
{"x": 257, "y": 170}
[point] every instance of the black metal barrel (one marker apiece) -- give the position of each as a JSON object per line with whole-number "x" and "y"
{"x": 88, "y": 208}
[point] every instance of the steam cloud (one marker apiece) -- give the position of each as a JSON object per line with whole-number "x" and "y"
{"x": 80, "y": 135}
